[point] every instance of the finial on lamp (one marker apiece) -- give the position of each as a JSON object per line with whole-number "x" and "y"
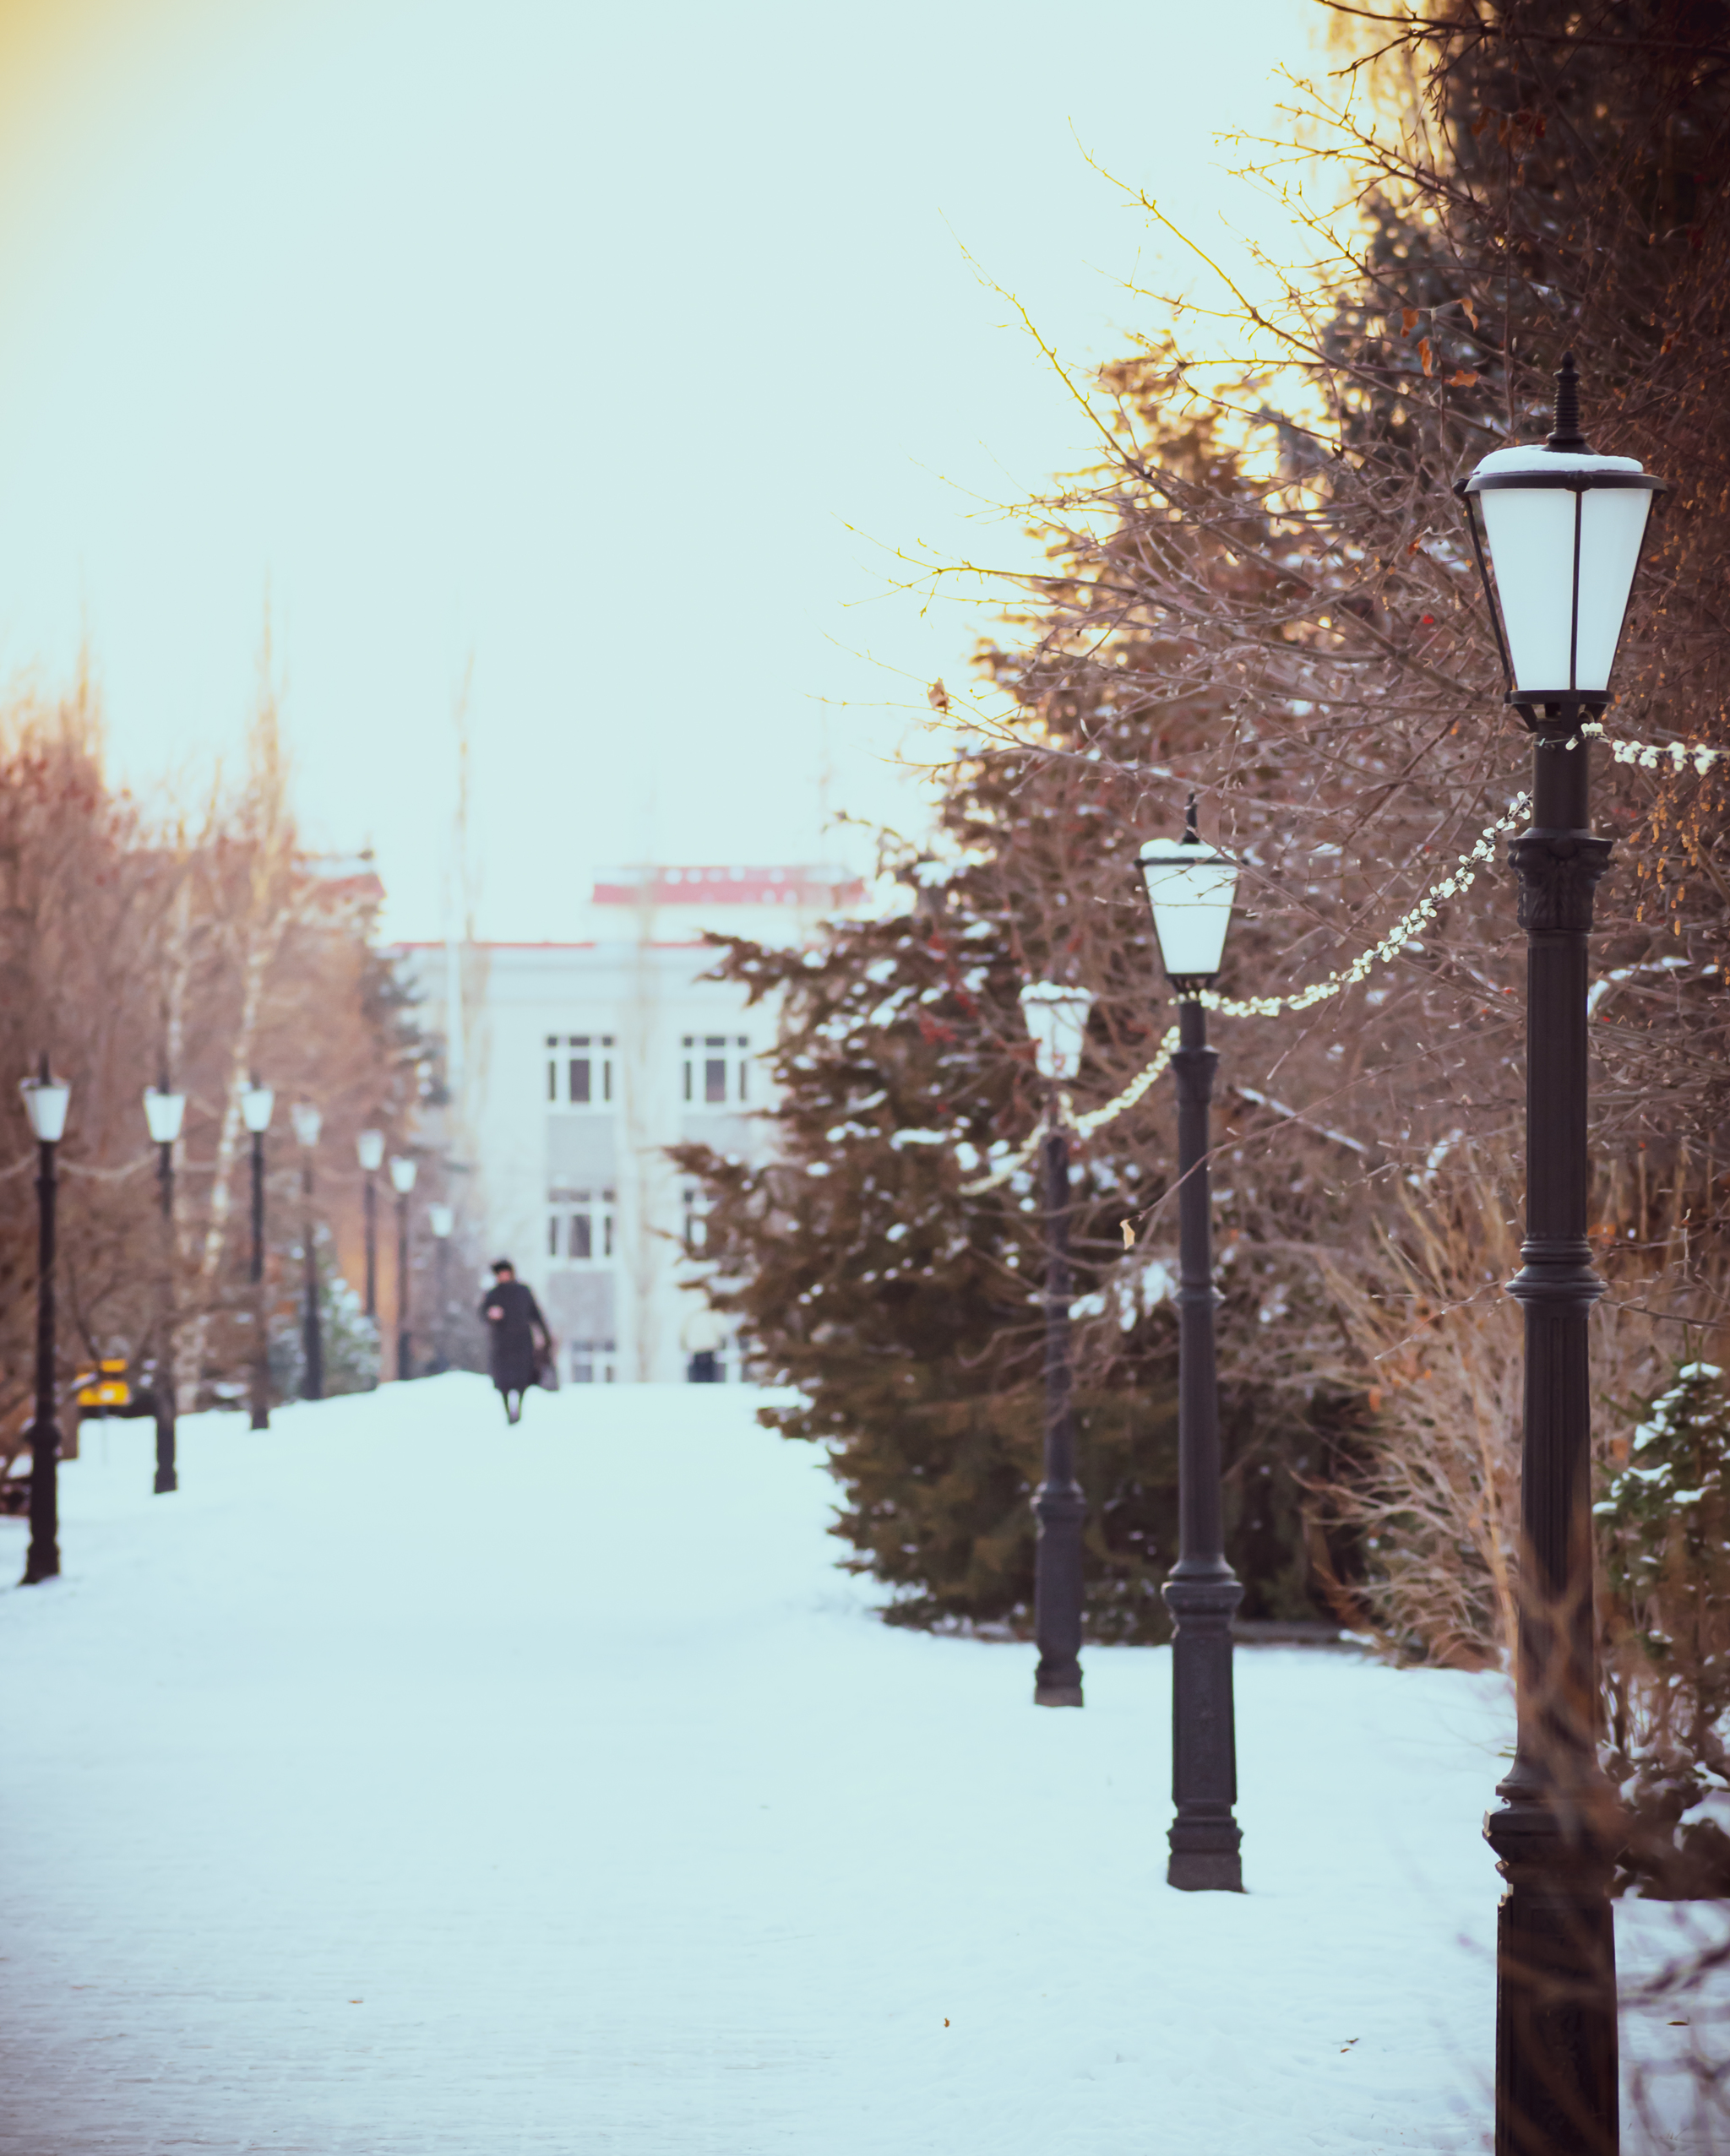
{"x": 1192, "y": 830}
{"x": 1565, "y": 436}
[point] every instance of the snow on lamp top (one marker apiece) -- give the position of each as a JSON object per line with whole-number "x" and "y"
{"x": 307, "y": 1122}
{"x": 1191, "y": 887}
{"x": 1056, "y": 1019}
{"x": 1564, "y": 527}
{"x": 164, "y": 1112}
{"x": 402, "y": 1175}
{"x": 256, "y": 1104}
{"x": 369, "y": 1147}
{"x": 46, "y": 1102}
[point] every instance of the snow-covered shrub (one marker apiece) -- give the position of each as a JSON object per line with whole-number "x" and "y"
{"x": 1664, "y": 1520}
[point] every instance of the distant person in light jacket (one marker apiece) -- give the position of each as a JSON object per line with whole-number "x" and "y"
{"x": 517, "y": 1336}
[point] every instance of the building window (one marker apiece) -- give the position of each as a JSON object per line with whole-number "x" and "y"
{"x": 580, "y": 1070}
{"x": 725, "y": 1062}
{"x": 594, "y": 1362}
{"x": 696, "y": 1208}
{"x": 579, "y": 1226}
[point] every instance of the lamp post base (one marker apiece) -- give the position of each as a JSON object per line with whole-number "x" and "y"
{"x": 1556, "y": 2035}
{"x": 167, "y": 1480}
{"x": 1204, "y": 1837}
{"x": 1059, "y": 1509}
{"x": 1200, "y": 1871}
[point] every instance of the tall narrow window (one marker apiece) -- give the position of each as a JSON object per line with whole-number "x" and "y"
{"x": 715, "y": 1072}
{"x": 744, "y": 1065}
{"x": 582, "y": 1235}
{"x": 580, "y": 1081}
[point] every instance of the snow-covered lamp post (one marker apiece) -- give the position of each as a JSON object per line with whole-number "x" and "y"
{"x": 164, "y": 1113}
{"x": 256, "y": 1106}
{"x": 1056, "y": 1019}
{"x": 1564, "y": 528}
{"x": 369, "y": 1147}
{"x": 402, "y": 1182}
{"x": 441, "y": 1220}
{"x": 308, "y": 1124}
{"x": 46, "y": 1102}
{"x": 1191, "y": 887}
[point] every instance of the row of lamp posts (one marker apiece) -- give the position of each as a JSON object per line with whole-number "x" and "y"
{"x": 46, "y": 1101}
{"x": 1563, "y": 531}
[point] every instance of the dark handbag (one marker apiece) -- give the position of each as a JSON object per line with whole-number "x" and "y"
{"x": 546, "y": 1368}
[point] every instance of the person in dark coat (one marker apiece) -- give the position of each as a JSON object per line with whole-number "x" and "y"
{"x": 517, "y": 1336}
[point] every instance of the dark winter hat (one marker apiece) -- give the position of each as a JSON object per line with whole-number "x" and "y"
{"x": 503, "y": 1265}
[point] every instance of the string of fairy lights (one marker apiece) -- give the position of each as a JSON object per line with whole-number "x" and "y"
{"x": 1646, "y": 755}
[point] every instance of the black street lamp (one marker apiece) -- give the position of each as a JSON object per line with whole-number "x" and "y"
{"x": 308, "y": 1124}
{"x": 256, "y": 1104}
{"x": 402, "y": 1182}
{"x": 164, "y": 1113}
{"x": 369, "y": 1146}
{"x": 1056, "y": 1019}
{"x": 1565, "y": 529}
{"x": 46, "y": 1100}
{"x": 1191, "y": 887}
{"x": 441, "y": 1220}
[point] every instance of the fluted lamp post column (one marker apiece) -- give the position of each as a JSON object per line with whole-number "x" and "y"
{"x": 1057, "y": 1019}
{"x": 46, "y": 1100}
{"x": 1564, "y": 529}
{"x": 440, "y": 1220}
{"x": 257, "y": 1104}
{"x": 308, "y": 1124}
{"x": 165, "y": 1111}
{"x": 369, "y": 1147}
{"x": 1191, "y": 885}
{"x": 402, "y": 1182}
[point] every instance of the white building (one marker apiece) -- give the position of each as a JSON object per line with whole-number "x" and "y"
{"x": 573, "y": 1066}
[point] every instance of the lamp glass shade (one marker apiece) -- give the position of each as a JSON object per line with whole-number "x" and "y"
{"x": 307, "y": 1122}
{"x": 1561, "y": 642}
{"x": 1056, "y": 1019}
{"x": 441, "y": 1220}
{"x": 256, "y": 1104}
{"x": 46, "y": 1102}
{"x": 402, "y": 1175}
{"x": 370, "y": 1148}
{"x": 1191, "y": 887}
{"x": 164, "y": 1112}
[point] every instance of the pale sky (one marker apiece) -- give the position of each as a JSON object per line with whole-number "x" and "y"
{"x": 611, "y": 347}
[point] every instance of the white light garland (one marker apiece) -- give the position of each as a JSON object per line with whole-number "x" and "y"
{"x": 1648, "y": 755}
{"x": 1460, "y": 877}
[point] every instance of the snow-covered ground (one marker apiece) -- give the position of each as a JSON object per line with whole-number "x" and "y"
{"x": 410, "y": 1784}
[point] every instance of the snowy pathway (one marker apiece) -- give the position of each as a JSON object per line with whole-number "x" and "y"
{"x": 406, "y": 1785}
